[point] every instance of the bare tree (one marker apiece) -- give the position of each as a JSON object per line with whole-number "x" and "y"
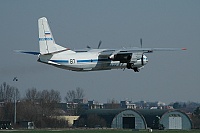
{"x": 31, "y": 95}
{"x": 43, "y": 97}
{"x": 29, "y": 111}
{"x": 46, "y": 96}
{"x": 46, "y": 99}
{"x": 196, "y": 118}
{"x": 38, "y": 106}
{"x": 54, "y": 96}
{"x": 79, "y": 93}
{"x": 7, "y": 93}
{"x": 74, "y": 94}
{"x": 7, "y": 97}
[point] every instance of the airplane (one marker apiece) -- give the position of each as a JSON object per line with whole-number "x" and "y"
{"x": 89, "y": 59}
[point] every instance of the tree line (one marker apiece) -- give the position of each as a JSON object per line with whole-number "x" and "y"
{"x": 37, "y": 106}
{"x": 40, "y": 105}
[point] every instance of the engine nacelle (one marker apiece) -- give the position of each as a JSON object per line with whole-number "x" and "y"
{"x": 123, "y": 58}
{"x": 135, "y": 57}
{"x": 138, "y": 64}
{"x": 126, "y": 57}
{"x": 142, "y": 61}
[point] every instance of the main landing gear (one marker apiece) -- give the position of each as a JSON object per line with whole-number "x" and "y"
{"x": 131, "y": 66}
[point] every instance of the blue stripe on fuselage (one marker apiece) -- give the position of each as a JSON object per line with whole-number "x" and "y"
{"x": 80, "y": 61}
{"x": 60, "y": 61}
{"x": 45, "y": 39}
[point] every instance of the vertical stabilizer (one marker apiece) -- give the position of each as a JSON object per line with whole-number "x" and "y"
{"x": 46, "y": 41}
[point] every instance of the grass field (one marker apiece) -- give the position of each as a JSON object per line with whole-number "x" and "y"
{"x": 96, "y": 131}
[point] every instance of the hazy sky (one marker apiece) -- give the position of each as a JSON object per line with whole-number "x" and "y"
{"x": 168, "y": 77}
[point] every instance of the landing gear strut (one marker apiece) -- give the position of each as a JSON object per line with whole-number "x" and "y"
{"x": 131, "y": 66}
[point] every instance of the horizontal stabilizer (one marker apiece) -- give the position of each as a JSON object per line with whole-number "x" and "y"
{"x": 27, "y": 52}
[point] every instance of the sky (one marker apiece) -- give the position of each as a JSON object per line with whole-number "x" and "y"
{"x": 168, "y": 76}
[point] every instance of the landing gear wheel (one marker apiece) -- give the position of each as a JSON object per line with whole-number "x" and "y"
{"x": 128, "y": 65}
{"x": 136, "y": 69}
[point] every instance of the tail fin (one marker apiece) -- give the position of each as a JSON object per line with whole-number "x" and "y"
{"x": 46, "y": 41}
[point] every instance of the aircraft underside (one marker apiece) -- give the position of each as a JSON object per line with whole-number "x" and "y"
{"x": 95, "y": 66}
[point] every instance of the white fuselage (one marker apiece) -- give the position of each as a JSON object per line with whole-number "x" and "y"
{"x": 91, "y": 60}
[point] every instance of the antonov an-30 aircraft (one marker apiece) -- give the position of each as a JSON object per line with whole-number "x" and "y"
{"x": 89, "y": 59}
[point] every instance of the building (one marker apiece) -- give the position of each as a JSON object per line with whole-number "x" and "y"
{"x": 166, "y": 119}
{"x": 26, "y": 124}
{"x": 70, "y": 119}
{"x": 136, "y": 119}
{"x": 114, "y": 118}
{"x": 94, "y": 105}
{"x": 127, "y": 105}
{"x": 111, "y": 106}
{"x": 176, "y": 120}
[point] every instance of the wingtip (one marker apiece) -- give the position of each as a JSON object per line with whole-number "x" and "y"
{"x": 184, "y": 49}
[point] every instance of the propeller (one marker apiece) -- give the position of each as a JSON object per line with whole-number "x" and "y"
{"x": 99, "y": 44}
{"x": 88, "y": 47}
{"x": 15, "y": 79}
{"x": 142, "y": 59}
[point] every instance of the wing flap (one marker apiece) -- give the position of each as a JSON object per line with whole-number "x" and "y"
{"x": 126, "y": 54}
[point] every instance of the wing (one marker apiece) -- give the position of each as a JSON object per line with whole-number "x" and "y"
{"x": 148, "y": 50}
{"x": 127, "y": 55}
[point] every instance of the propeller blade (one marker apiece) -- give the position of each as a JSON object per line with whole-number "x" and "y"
{"x": 142, "y": 59}
{"x": 141, "y": 42}
{"x": 99, "y": 44}
{"x": 88, "y": 46}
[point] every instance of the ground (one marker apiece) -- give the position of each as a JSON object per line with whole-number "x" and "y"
{"x": 95, "y": 131}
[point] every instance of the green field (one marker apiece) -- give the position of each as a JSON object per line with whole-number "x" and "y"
{"x": 96, "y": 131}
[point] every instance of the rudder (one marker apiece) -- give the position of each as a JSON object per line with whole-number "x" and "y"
{"x": 46, "y": 41}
